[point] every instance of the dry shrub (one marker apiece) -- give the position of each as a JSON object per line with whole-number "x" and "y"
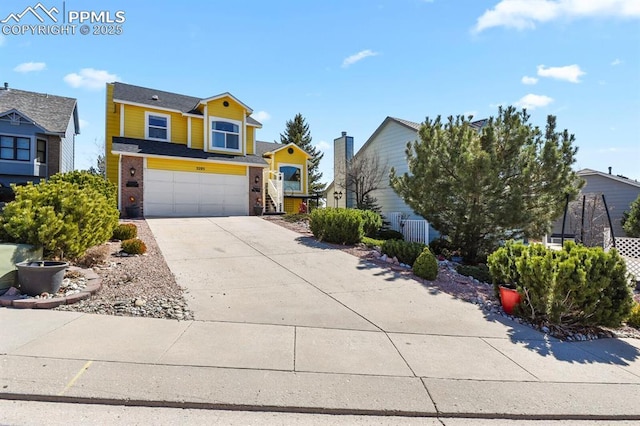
{"x": 95, "y": 256}
{"x": 73, "y": 274}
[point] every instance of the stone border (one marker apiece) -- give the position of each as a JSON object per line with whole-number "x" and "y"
{"x": 13, "y": 298}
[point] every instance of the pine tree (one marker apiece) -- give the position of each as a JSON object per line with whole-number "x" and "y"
{"x": 631, "y": 220}
{"x": 297, "y": 132}
{"x": 510, "y": 180}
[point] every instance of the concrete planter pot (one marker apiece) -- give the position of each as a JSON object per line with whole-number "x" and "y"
{"x": 39, "y": 277}
{"x": 10, "y": 254}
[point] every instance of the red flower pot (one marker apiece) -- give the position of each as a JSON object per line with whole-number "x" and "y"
{"x": 509, "y": 298}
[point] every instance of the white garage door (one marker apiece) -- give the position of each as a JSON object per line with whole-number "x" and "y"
{"x": 168, "y": 193}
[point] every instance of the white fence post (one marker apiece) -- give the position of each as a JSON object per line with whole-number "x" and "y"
{"x": 395, "y": 220}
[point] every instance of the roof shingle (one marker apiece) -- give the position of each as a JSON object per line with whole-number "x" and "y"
{"x": 51, "y": 113}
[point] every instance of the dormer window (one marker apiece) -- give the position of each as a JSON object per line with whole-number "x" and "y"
{"x": 158, "y": 126}
{"x": 226, "y": 135}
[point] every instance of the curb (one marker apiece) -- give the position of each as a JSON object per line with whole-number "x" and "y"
{"x": 306, "y": 410}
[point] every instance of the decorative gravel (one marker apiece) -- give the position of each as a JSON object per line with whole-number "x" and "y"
{"x": 141, "y": 286}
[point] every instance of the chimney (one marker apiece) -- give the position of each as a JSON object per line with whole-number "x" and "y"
{"x": 342, "y": 155}
{"x": 609, "y": 169}
{"x": 6, "y": 86}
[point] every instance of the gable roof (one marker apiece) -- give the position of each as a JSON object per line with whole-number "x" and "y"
{"x": 227, "y": 94}
{"x": 168, "y": 100}
{"x": 273, "y": 147}
{"x": 622, "y": 179}
{"x": 49, "y": 112}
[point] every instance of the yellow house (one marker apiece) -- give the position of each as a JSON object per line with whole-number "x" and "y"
{"x": 177, "y": 155}
{"x": 287, "y": 174}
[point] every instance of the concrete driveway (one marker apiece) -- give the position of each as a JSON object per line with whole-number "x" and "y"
{"x": 312, "y": 308}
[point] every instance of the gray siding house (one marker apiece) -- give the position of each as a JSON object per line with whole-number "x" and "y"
{"x": 619, "y": 192}
{"x": 388, "y": 143}
{"x": 37, "y": 135}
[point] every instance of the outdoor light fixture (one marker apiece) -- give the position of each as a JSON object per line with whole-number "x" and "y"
{"x": 257, "y": 179}
{"x": 337, "y": 195}
{"x": 132, "y": 171}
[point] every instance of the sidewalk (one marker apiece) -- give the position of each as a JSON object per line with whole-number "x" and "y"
{"x": 285, "y": 325}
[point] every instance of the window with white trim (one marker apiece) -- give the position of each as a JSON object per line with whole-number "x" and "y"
{"x": 15, "y": 148}
{"x": 292, "y": 178}
{"x": 157, "y": 126}
{"x": 226, "y": 135}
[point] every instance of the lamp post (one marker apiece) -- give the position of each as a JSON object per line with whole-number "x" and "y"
{"x": 337, "y": 195}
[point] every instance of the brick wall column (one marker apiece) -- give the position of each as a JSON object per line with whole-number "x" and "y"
{"x": 132, "y": 187}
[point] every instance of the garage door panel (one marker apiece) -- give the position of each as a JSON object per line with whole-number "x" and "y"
{"x": 168, "y": 193}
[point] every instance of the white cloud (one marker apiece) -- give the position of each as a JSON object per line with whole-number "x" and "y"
{"x": 89, "y": 78}
{"x": 358, "y": 57}
{"x": 616, "y": 62}
{"x": 30, "y": 66}
{"x": 571, "y": 73}
{"x": 323, "y": 146}
{"x": 261, "y": 116}
{"x": 532, "y": 101}
{"x": 529, "y": 80}
{"x": 83, "y": 123}
{"x": 525, "y": 14}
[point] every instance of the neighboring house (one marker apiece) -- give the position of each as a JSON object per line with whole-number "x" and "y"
{"x": 619, "y": 192}
{"x": 37, "y": 135}
{"x": 388, "y": 143}
{"x": 177, "y": 155}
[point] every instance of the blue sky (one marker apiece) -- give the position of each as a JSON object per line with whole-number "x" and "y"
{"x": 347, "y": 64}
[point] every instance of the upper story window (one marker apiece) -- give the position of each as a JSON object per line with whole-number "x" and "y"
{"x": 15, "y": 148}
{"x": 158, "y": 126}
{"x": 226, "y": 135}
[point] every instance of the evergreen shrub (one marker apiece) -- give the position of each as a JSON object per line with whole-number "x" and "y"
{"x": 334, "y": 225}
{"x": 85, "y": 179}
{"x": 63, "y": 218}
{"x": 125, "y": 231}
{"x": 405, "y": 251}
{"x": 426, "y": 265}
{"x": 134, "y": 246}
{"x": 371, "y": 222}
{"x": 389, "y": 234}
{"x": 479, "y": 272}
{"x": 634, "y": 316}
{"x": 574, "y": 286}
